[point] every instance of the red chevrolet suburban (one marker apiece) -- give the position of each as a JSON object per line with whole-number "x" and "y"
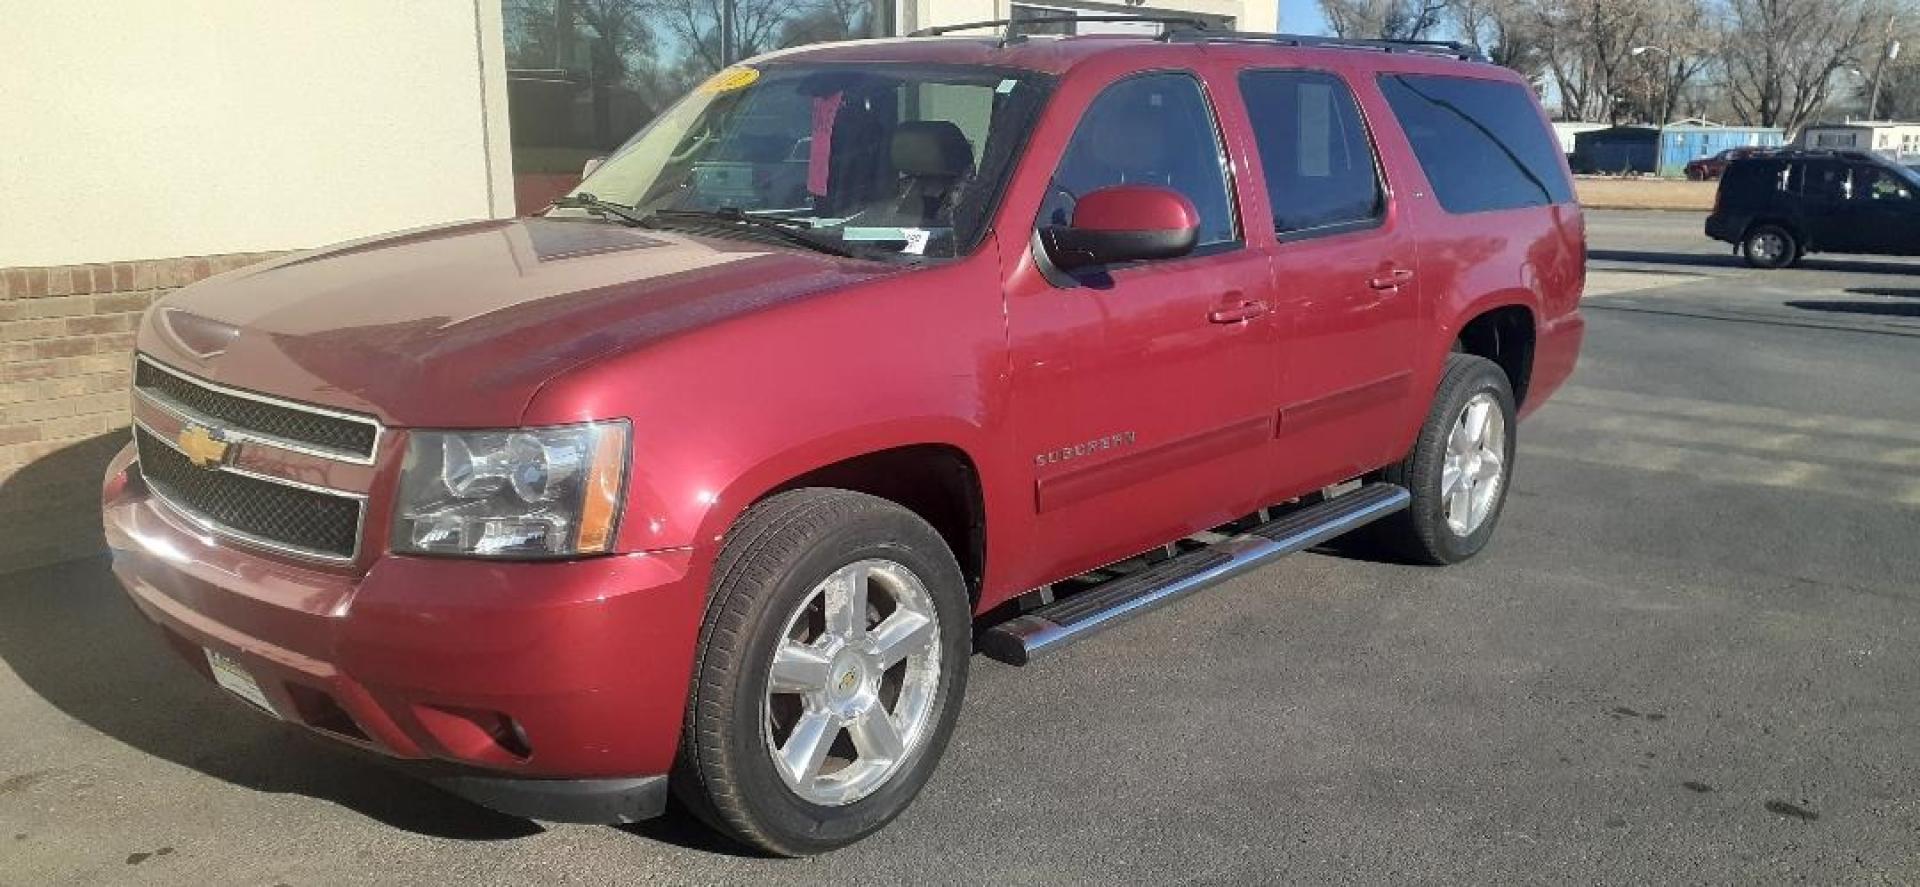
{"x": 860, "y": 359}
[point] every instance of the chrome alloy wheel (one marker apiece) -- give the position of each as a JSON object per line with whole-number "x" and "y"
{"x": 1475, "y": 466}
{"x": 850, "y": 694}
{"x": 1769, "y": 246}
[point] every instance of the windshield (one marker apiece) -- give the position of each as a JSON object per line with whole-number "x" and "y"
{"x": 1906, "y": 173}
{"x": 907, "y": 159}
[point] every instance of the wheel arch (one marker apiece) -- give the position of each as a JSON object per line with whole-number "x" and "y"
{"x": 937, "y": 481}
{"x": 936, "y": 476}
{"x": 1505, "y": 334}
{"x": 1783, "y": 222}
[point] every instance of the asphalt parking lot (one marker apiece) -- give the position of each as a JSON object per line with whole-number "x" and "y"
{"x": 1690, "y": 655}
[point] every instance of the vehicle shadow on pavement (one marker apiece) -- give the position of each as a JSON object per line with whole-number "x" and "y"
{"x": 1700, "y": 260}
{"x": 1889, "y": 291}
{"x": 71, "y": 636}
{"x": 1881, "y": 309}
{"x": 679, "y": 827}
{"x": 1651, "y": 257}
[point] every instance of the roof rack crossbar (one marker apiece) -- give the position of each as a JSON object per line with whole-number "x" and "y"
{"x": 1448, "y": 48}
{"x": 1790, "y": 152}
{"x": 1011, "y": 24}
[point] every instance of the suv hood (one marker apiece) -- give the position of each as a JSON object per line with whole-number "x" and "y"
{"x": 459, "y": 325}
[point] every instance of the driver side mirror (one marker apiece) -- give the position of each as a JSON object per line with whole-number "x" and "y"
{"x": 1124, "y": 223}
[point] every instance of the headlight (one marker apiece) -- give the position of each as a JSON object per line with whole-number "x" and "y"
{"x": 525, "y": 493}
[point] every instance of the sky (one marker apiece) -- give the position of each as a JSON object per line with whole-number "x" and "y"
{"x": 1301, "y": 17}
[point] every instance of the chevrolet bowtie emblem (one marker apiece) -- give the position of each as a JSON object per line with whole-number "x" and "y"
{"x": 204, "y": 447}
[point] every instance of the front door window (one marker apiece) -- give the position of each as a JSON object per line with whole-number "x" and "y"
{"x": 1155, "y": 129}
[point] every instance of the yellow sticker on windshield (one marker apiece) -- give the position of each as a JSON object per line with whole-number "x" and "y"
{"x": 730, "y": 80}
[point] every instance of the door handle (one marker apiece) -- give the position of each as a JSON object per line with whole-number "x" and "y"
{"x": 1391, "y": 280}
{"x": 1245, "y": 309}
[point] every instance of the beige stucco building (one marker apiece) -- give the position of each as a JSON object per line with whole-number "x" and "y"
{"x": 225, "y": 126}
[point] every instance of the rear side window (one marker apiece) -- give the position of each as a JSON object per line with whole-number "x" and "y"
{"x": 1827, "y": 180}
{"x": 1757, "y": 178}
{"x": 1321, "y": 177}
{"x": 1153, "y": 129}
{"x": 1482, "y": 143}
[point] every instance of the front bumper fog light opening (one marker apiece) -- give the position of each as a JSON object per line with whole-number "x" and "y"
{"x": 477, "y": 735}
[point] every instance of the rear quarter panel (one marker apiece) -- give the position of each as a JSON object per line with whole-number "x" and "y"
{"x": 1472, "y": 263}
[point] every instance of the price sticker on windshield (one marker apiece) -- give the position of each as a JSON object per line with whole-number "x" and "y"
{"x": 730, "y": 80}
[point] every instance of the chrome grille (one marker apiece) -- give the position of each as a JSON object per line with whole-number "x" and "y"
{"x": 323, "y": 431}
{"x": 255, "y": 509}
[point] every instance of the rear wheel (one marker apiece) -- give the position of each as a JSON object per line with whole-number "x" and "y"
{"x": 1459, "y": 469}
{"x": 831, "y": 667}
{"x": 1770, "y": 246}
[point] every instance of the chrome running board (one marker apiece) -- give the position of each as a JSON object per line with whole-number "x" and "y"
{"x": 1020, "y": 639}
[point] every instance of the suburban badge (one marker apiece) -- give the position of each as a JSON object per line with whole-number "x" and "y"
{"x": 1082, "y": 450}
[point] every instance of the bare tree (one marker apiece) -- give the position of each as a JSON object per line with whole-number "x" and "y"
{"x": 1781, "y": 55}
{"x": 828, "y": 20}
{"x": 758, "y": 26}
{"x": 695, "y": 25}
{"x": 1507, "y": 32}
{"x": 1899, "y": 93}
{"x": 1588, "y": 46}
{"x": 620, "y": 49}
{"x": 1898, "y": 75}
{"x": 1682, "y": 48}
{"x": 1384, "y": 19}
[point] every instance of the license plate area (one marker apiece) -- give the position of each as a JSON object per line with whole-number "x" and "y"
{"x": 235, "y": 679}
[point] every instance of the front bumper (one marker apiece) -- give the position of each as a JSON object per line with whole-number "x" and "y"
{"x": 553, "y": 690}
{"x": 605, "y": 801}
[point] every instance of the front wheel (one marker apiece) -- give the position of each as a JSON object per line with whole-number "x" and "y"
{"x": 1459, "y": 469}
{"x": 831, "y": 666}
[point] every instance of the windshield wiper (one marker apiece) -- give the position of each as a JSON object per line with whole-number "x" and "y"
{"x": 791, "y": 230}
{"x": 583, "y": 200}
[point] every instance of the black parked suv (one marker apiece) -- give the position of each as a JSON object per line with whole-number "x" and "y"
{"x": 1776, "y": 209}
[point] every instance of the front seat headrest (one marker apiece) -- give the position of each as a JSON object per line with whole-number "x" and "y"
{"x": 931, "y": 148}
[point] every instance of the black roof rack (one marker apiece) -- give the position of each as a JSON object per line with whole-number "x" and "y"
{"x": 1444, "y": 48}
{"x": 1012, "y": 23}
{"x": 1195, "y": 30}
{"x": 1790, "y": 151}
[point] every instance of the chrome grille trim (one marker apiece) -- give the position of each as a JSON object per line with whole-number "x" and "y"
{"x": 208, "y": 525}
{"x": 174, "y": 445}
{"x": 240, "y": 435}
{"x": 244, "y": 435}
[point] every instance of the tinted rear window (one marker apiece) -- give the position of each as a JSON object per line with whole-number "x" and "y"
{"x": 1482, "y": 143}
{"x": 1753, "y": 179}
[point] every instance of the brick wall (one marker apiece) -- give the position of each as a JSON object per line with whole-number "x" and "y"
{"x": 66, "y": 342}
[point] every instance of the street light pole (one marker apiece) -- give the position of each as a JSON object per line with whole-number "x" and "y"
{"x": 727, "y": 50}
{"x": 1892, "y": 50}
{"x": 1667, "y": 89}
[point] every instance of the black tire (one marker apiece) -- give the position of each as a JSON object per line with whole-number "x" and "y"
{"x": 1421, "y": 533}
{"x": 769, "y": 565}
{"x": 1754, "y": 249}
